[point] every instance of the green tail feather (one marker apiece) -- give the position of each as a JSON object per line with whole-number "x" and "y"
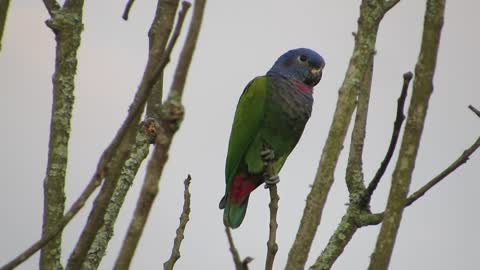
{"x": 233, "y": 214}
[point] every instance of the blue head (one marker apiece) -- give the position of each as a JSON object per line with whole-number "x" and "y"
{"x": 300, "y": 64}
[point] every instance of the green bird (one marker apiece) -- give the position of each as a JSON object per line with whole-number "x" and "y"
{"x": 270, "y": 118}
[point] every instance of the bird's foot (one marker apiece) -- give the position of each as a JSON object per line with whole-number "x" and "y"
{"x": 267, "y": 156}
{"x": 271, "y": 181}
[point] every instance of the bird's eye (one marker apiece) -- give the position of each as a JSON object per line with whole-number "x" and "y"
{"x": 302, "y": 58}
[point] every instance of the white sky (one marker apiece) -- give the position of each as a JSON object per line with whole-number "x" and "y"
{"x": 240, "y": 40}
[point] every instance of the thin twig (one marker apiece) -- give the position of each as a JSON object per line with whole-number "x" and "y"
{"x": 462, "y": 159}
{"x": 74, "y": 209}
{"x": 272, "y": 246}
{"x": 407, "y": 77}
{"x": 475, "y": 110}
{"x": 374, "y": 219}
{"x": 239, "y": 264}
{"x": 127, "y": 9}
{"x": 184, "y": 217}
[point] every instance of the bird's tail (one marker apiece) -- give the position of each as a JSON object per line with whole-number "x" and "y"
{"x": 235, "y": 201}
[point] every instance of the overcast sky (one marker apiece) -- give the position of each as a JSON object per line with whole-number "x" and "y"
{"x": 240, "y": 40}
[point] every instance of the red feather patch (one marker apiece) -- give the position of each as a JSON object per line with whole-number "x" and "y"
{"x": 241, "y": 187}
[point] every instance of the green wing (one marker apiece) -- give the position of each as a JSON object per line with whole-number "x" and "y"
{"x": 246, "y": 125}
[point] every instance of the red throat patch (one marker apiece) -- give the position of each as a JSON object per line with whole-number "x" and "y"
{"x": 303, "y": 87}
{"x": 242, "y": 186}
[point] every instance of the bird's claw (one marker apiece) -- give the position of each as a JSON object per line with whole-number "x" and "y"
{"x": 271, "y": 181}
{"x": 267, "y": 156}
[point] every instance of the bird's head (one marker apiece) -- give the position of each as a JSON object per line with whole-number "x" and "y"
{"x": 300, "y": 64}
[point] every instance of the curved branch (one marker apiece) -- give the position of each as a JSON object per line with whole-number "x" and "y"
{"x": 397, "y": 125}
{"x": 127, "y": 9}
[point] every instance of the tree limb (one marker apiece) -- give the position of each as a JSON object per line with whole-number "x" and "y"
{"x": 52, "y": 6}
{"x": 402, "y": 175}
{"x": 354, "y": 172}
{"x": 371, "y": 14}
{"x": 118, "y": 151}
{"x": 397, "y": 125}
{"x": 338, "y": 241}
{"x": 138, "y": 153}
{"x": 184, "y": 217}
{"x": 67, "y": 26}
{"x": 171, "y": 117}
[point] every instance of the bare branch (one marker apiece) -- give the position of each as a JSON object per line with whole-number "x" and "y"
{"x": 67, "y": 29}
{"x": 170, "y": 120}
{"x": 127, "y": 9}
{"x": 402, "y": 175}
{"x": 239, "y": 264}
{"x": 180, "y": 76}
{"x": 338, "y": 241}
{"x": 155, "y": 100}
{"x": 407, "y": 77}
{"x": 184, "y": 217}
{"x": 115, "y": 155}
{"x": 364, "y": 49}
{"x": 139, "y": 151}
{"x": 272, "y": 246}
{"x": 475, "y": 110}
{"x": 354, "y": 173}
{"x": 52, "y": 6}
{"x": 374, "y": 219}
{"x": 462, "y": 159}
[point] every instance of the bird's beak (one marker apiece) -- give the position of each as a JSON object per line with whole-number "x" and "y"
{"x": 315, "y": 75}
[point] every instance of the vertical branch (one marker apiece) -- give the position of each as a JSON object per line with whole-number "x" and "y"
{"x": 3, "y": 17}
{"x": 354, "y": 173}
{"x": 371, "y": 13}
{"x": 184, "y": 217}
{"x": 422, "y": 89}
{"x": 272, "y": 246}
{"x": 138, "y": 153}
{"x": 67, "y": 26}
{"x": 171, "y": 116}
{"x": 145, "y": 135}
{"x": 118, "y": 151}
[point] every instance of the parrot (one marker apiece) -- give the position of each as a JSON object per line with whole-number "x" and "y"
{"x": 269, "y": 120}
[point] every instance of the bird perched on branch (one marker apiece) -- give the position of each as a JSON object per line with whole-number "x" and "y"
{"x": 270, "y": 117}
